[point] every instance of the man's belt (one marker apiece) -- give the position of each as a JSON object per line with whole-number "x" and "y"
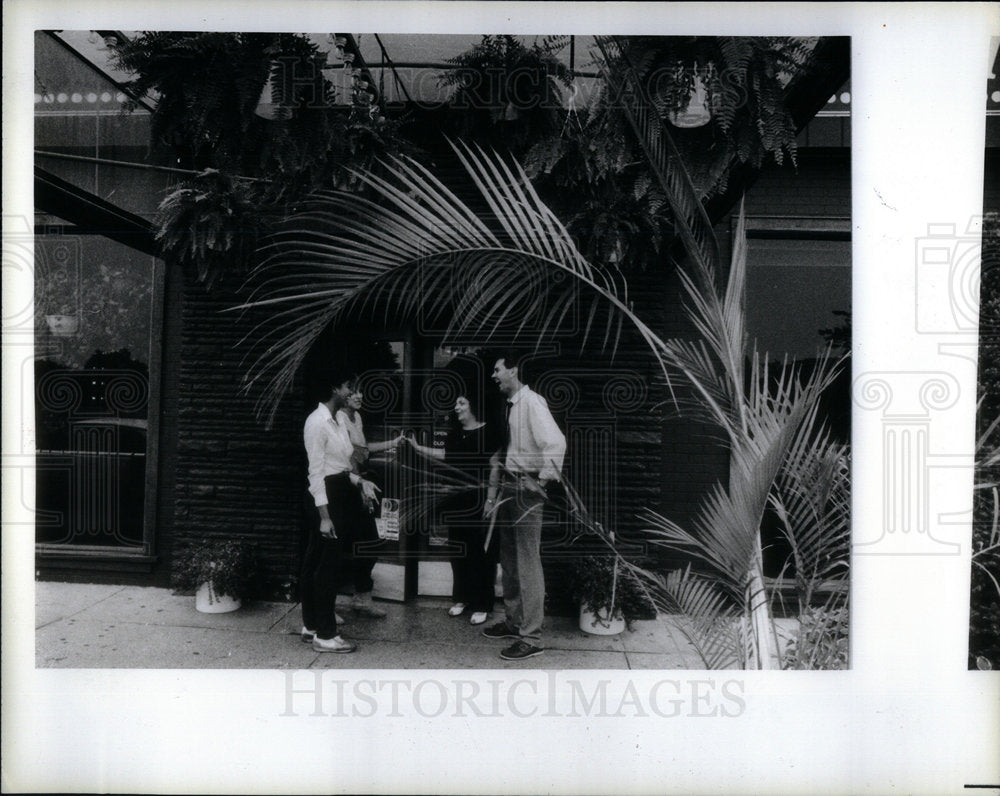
{"x": 510, "y": 476}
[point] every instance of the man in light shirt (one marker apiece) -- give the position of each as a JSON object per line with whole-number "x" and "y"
{"x": 530, "y": 460}
{"x": 339, "y": 495}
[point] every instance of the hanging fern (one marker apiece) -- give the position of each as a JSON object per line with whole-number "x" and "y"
{"x": 745, "y": 87}
{"x": 208, "y": 225}
{"x": 506, "y": 93}
{"x": 206, "y": 88}
{"x": 594, "y": 173}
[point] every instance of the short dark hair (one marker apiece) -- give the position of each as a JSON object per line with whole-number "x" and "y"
{"x": 513, "y": 358}
{"x": 331, "y": 380}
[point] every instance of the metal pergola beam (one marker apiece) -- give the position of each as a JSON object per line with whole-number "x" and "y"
{"x": 91, "y": 214}
{"x": 142, "y": 102}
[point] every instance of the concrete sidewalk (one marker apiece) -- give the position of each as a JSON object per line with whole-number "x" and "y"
{"x": 88, "y": 626}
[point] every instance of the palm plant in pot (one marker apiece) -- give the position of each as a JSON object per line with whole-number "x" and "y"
{"x": 222, "y": 573}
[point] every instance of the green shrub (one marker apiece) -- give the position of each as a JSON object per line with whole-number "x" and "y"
{"x": 592, "y": 579}
{"x": 821, "y": 641}
{"x": 230, "y": 564}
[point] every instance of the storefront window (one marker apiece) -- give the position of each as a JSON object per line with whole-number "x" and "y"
{"x": 798, "y": 292}
{"x": 95, "y": 339}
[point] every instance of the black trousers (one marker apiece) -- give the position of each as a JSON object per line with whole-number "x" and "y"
{"x": 329, "y": 562}
{"x": 473, "y": 569}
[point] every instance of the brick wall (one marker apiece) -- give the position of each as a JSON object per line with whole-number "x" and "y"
{"x": 234, "y": 477}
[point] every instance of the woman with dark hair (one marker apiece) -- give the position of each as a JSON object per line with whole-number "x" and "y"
{"x": 468, "y": 448}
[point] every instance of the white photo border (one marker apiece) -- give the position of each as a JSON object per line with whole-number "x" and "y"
{"x": 908, "y": 716}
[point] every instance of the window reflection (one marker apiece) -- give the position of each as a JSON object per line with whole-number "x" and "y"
{"x": 93, "y": 332}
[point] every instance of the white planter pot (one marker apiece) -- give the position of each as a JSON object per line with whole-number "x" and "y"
{"x": 208, "y": 601}
{"x": 599, "y": 624}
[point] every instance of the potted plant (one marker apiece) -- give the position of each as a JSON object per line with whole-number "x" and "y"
{"x": 221, "y": 572}
{"x": 608, "y": 592}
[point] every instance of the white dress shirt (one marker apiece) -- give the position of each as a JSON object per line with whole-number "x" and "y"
{"x": 536, "y": 444}
{"x": 329, "y": 449}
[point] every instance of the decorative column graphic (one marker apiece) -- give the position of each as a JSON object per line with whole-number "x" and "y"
{"x": 91, "y": 481}
{"x": 910, "y": 521}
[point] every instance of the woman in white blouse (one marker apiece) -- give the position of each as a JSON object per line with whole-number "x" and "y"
{"x": 350, "y": 417}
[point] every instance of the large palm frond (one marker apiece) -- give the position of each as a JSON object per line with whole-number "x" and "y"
{"x": 811, "y": 498}
{"x": 706, "y": 618}
{"x": 715, "y": 364}
{"x": 760, "y": 413}
{"x": 417, "y": 247}
{"x": 726, "y": 529}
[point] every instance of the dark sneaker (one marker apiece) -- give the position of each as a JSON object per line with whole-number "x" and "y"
{"x": 501, "y": 630}
{"x": 520, "y": 650}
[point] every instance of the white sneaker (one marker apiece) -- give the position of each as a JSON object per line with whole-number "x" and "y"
{"x": 335, "y": 644}
{"x": 308, "y": 635}
{"x": 456, "y": 609}
{"x": 478, "y": 618}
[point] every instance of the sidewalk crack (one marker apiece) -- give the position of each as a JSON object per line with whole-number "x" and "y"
{"x": 75, "y": 613}
{"x": 283, "y": 617}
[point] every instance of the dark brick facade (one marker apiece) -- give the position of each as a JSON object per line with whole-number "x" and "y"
{"x": 233, "y": 477}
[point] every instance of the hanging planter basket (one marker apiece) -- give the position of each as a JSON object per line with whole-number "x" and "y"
{"x": 691, "y": 98}
{"x": 63, "y": 325}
